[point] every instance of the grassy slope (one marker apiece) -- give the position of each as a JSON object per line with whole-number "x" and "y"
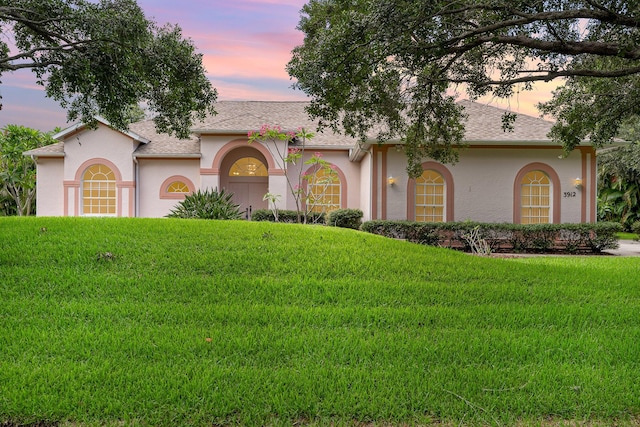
{"x": 194, "y": 322}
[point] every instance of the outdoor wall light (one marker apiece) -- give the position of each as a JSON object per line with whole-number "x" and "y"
{"x": 391, "y": 180}
{"x": 577, "y": 183}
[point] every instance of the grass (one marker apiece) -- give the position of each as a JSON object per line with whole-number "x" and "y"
{"x": 627, "y": 236}
{"x": 197, "y": 323}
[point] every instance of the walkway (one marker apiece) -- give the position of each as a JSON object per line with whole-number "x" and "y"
{"x": 627, "y": 248}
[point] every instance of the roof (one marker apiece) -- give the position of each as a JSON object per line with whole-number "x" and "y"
{"x": 62, "y": 134}
{"x": 483, "y": 126}
{"x": 52, "y": 150}
{"x": 240, "y": 117}
{"x": 164, "y": 145}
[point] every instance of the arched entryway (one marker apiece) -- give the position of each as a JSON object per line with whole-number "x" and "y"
{"x": 244, "y": 173}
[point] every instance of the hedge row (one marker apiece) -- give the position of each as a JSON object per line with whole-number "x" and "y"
{"x": 286, "y": 216}
{"x": 345, "y": 218}
{"x": 503, "y": 237}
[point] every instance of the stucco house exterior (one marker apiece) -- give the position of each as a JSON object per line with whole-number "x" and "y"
{"x": 519, "y": 176}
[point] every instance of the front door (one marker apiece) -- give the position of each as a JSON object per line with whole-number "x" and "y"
{"x": 246, "y": 176}
{"x": 249, "y": 192}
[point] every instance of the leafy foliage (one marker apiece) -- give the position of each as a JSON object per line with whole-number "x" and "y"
{"x": 345, "y": 218}
{"x": 94, "y": 58}
{"x": 537, "y": 238}
{"x": 287, "y": 216}
{"x": 288, "y": 148}
{"x": 18, "y": 172}
{"x": 207, "y": 204}
{"x": 619, "y": 185}
{"x": 393, "y": 67}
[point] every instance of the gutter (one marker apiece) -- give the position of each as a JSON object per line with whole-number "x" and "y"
{"x": 168, "y": 156}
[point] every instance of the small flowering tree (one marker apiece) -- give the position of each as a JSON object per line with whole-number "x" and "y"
{"x": 306, "y": 197}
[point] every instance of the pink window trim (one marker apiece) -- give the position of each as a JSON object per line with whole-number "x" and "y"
{"x": 230, "y": 146}
{"x": 78, "y": 179}
{"x": 448, "y": 180}
{"x": 164, "y": 194}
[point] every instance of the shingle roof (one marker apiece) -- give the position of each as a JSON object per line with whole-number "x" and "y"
{"x": 244, "y": 116}
{"x": 162, "y": 144}
{"x": 52, "y": 150}
{"x": 483, "y": 125}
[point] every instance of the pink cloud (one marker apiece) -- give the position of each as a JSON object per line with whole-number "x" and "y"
{"x": 247, "y": 92}
{"x": 525, "y": 101}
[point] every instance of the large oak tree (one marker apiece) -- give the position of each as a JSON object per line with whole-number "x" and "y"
{"x": 393, "y": 66}
{"x": 102, "y": 57}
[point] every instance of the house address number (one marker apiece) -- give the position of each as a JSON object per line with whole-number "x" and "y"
{"x": 570, "y": 194}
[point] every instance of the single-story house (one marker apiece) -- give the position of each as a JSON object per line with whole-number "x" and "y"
{"x": 519, "y": 176}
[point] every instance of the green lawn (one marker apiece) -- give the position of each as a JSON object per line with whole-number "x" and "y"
{"x": 627, "y": 236}
{"x": 198, "y": 323}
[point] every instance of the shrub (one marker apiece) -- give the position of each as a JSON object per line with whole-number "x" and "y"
{"x": 207, "y": 204}
{"x": 635, "y": 228}
{"x": 345, "y": 218}
{"x": 571, "y": 238}
{"x": 287, "y": 216}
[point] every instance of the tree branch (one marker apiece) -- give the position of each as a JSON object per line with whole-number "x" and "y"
{"x": 551, "y": 75}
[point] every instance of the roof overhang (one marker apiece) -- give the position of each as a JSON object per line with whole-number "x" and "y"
{"x": 34, "y": 153}
{"x": 168, "y": 156}
{"x": 199, "y": 132}
{"x": 80, "y": 126}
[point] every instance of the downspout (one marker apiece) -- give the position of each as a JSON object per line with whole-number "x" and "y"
{"x": 35, "y": 161}
{"x": 137, "y": 187}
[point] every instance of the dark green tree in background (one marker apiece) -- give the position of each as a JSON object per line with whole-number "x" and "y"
{"x": 18, "y": 172}
{"x": 96, "y": 58}
{"x": 619, "y": 179}
{"x": 392, "y": 67}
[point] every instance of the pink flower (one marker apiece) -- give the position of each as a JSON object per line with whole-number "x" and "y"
{"x": 317, "y": 154}
{"x": 332, "y": 166}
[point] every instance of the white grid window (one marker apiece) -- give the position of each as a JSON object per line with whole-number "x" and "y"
{"x": 535, "y": 198}
{"x": 324, "y": 193}
{"x": 430, "y": 197}
{"x": 99, "y": 191}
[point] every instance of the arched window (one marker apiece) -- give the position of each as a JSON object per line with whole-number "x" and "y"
{"x": 535, "y": 198}
{"x": 177, "y": 187}
{"x": 324, "y": 190}
{"x": 98, "y": 191}
{"x": 430, "y": 197}
{"x": 248, "y": 166}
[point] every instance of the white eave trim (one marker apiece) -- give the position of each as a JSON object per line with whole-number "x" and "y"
{"x": 200, "y": 132}
{"x": 62, "y": 134}
{"x": 48, "y": 155}
{"x": 168, "y": 156}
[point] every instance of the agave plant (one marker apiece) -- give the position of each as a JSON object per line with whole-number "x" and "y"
{"x": 207, "y": 204}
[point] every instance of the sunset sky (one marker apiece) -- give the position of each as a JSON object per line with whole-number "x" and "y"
{"x": 246, "y": 45}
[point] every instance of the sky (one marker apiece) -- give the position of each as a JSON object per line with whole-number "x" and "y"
{"x": 246, "y": 45}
